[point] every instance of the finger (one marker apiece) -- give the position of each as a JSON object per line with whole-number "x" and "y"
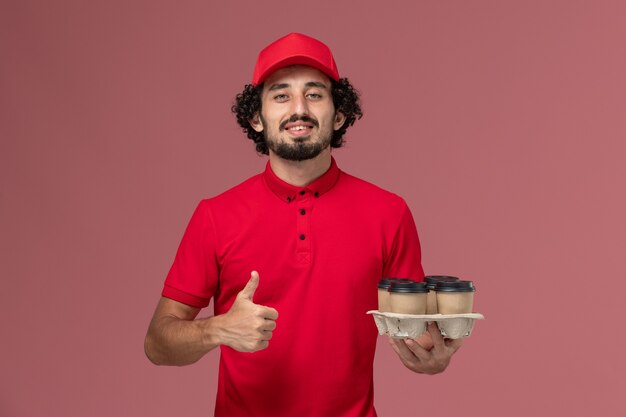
{"x": 251, "y": 286}
{"x": 266, "y": 335}
{"x": 268, "y": 313}
{"x": 435, "y": 334}
{"x": 262, "y": 344}
{"x": 425, "y": 340}
{"x": 268, "y": 325}
{"x": 416, "y": 350}
{"x": 392, "y": 343}
{"x": 395, "y": 345}
{"x": 454, "y": 344}
{"x": 404, "y": 351}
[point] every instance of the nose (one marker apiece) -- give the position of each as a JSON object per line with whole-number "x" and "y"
{"x": 300, "y": 105}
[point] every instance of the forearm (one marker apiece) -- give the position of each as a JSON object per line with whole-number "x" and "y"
{"x": 175, "y": 337}
{"x": 174, "y": 341}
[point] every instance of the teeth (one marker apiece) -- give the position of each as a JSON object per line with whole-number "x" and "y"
{"x": 298, "y": 128}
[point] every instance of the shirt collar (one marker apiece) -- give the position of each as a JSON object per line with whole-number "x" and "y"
{"x": 288, "y": 193}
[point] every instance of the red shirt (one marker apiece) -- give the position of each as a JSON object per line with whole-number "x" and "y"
{"x": 320, "y": 251}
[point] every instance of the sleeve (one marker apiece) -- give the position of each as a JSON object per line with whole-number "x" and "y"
{"x": 192, "y": 279}
{"x": 404, "y": 259}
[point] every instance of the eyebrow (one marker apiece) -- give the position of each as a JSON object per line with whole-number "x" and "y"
{"x": 278, "y": 87}
{"x": 308, "y": 84}
{"x": 315, "y": 84}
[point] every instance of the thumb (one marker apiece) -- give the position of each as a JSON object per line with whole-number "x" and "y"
{"x": 251, "y": 286}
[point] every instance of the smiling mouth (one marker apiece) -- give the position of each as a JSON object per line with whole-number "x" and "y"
{"x": 299, "y": 128}
{"x": 299, "y": 124}
{"x": 299, "y": 132}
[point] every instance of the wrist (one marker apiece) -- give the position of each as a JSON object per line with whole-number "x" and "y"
{"x": 212, "y": 330}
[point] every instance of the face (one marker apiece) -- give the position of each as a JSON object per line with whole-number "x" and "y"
{"x": 297, "y": 113}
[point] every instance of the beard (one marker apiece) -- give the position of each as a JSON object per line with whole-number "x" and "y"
{"x": 298, "y": 151}
{"x": 301, "y": 149}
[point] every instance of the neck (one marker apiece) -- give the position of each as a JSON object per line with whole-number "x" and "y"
{"x": 300, "y": 173}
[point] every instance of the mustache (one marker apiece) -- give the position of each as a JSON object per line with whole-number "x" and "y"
{"x": 299, "y": 118}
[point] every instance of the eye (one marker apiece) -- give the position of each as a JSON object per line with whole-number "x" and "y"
{"x": 281, "y": 97}
{"x": 314, "y": 96}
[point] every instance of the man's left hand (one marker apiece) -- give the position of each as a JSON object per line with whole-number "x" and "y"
{"x": 426, "y": 361}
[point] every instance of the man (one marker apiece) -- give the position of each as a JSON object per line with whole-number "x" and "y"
{"x": 292, "y": 257}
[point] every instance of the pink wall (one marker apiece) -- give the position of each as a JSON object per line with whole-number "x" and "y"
{"x": 502, "y": 124}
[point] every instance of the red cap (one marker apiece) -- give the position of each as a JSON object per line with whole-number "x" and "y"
{"x": 294, "y": 49}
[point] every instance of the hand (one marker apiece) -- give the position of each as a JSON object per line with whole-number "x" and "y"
{"x": 423, "y": 360}
{"x": 247, "y": 327}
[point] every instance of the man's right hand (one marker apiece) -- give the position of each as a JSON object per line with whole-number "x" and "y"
{"x": 247, "y": 327}
{"x": 176, "y": 337}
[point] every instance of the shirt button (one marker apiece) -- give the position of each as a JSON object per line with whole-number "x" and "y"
{"x": 316, "y": 194}
{"x": 302, "y": 192}
{"x": 289, "y": 199}
{"x": 302, "y": 237}
{"x": 302, "y": 211}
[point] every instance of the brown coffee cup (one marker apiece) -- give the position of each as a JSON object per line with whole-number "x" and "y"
{"x": 408, "y": 297}
{"x": 384, "y": 298}
{"x": 431, "y": 299}
{"x": 384, "y": 302}
{"x": 455, "y": 297}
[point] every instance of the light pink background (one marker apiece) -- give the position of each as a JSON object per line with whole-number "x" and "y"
{"x": 501, "y": 123}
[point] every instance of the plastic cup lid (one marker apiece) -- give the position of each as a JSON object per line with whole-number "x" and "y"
{"x": 385, "y": 283}
{"x": 455, "y": 286}
{"x": 408, "y": 287}
{"x": 432, "y": 280}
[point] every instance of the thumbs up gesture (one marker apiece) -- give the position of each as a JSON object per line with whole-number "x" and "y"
{"x": 247, "y": 327}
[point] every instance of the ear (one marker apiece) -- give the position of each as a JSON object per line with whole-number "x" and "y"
{"x": 340, "y": 119}
{"x": 256, "y": 123}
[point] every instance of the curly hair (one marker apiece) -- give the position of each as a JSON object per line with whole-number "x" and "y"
{"x": 248, "y": 104}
